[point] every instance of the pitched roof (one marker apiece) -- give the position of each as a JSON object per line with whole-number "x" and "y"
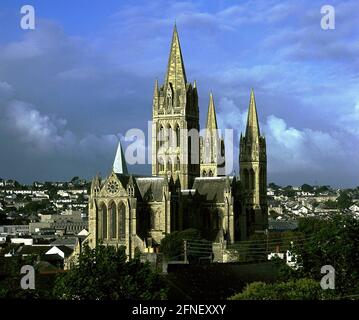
{"x": 150, "y": 188}
{"x": 282, "y": 225}
{"x": 35, "y": 249}
{"x": 65, "y": 249}
{"x": 69, "y": 242}
{"x": 211, "y": 187}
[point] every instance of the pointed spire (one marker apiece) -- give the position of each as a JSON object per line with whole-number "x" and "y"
{"x": 130, "y": 181}
{"x": 155, "y": 91}
{"x": 93, "y": 183}
{"x": 211, "y": 115}
{"x": 119, "y": 165}
{"x": 175, "y": 70}
{"x": 252, "y": 130}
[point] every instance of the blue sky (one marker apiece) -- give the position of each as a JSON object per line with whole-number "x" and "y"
{"x": 71, "y": 87}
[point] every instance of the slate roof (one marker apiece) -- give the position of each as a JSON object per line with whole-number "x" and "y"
{"x": 69, "y": 242}
{"x": 65, "y": 249}
{"x": 35, "y": 250}
{"x": 150, "y": 188}
{"x": 146, "y": 188}
{"x": 282, "y": 225}
{"x": 211, "y": 187}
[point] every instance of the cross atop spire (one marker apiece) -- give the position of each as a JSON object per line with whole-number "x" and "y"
{"x": 175, "y": 70}
{"x": 211, "y": 115}
{"x": 252, "y": 130}
{"x": 119, "y": 165}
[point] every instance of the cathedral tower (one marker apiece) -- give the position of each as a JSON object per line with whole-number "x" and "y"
{"x": 175, "y": 115}
{"x": 212, "y": 146}
{"x": 253, "y": 174}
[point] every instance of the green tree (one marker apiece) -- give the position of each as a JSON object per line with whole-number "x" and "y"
{"x": 290, "y": 193}
{"x": 306, "y": 188}
{"x": 103, "y": 273}
{"x": 333, "y": 241}
{"x": 273, "y": 186}
{"x": 322, "y": 189}
{"x": 11, "y": 277}
{"x": 344, "y": 201}
{"x": 35, "y": 206}
{"x": 172, "y": 244}
{"x": 301, "y": 289}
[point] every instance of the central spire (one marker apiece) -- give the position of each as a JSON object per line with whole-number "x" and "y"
{"x": 176, "y": 73}
{"x": 252, "y": 130}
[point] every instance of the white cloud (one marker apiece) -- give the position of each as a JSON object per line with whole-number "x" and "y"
{"x": 49, "y": 134}
{"x": 299, "y": 153}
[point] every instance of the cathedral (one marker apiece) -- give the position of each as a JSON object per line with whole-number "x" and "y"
{"x": 188, "y": 187}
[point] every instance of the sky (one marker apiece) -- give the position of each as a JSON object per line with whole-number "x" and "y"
{"x": 71, "y": 88}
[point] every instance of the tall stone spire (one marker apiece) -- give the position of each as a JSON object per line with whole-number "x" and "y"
{"x": 119, "y": 165}
{"x": 212, "y": 147}
{"x": 253, "y": 175}
{"x": 211, "y": 115}
{"x": 252, "y": 130}
{"x": 175, "y": 107}
{"x": 176, "y": 73}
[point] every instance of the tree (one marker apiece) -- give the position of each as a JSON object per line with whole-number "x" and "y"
{"x": 10, "y": 280}
{"x": 290, "y": 193}
{"x": 322, "y": 189}
{"x": 306, "y": 188}
{"x": 273, "y": 186}
{"x": 103, "y": 273}
{"x": 35, "y": 206}
{"x": 172, "y": 244}
{"x": 301, "y": 289}
{"x": 333, "y": 241}
{"x": 344, "y": 201}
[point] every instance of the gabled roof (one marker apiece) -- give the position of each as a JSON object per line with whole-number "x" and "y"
{"x": 65, "y": 249}
{"x": 211, "y": 187}
{"x": 150, "y": 188}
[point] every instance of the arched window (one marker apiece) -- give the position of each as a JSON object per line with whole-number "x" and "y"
{"x": 253, "y": 179}
{"x": 176, "y": 164}
{"x": 113, "y": 213}
{"x": 210, "y": 173}
{"x": 122, "y": 220}
{"x": 161, "y": 136}
{"x": 169, "y": 135}
{"x": 204, "y": 173}
{"x": 178, "y": 136}
{"x": 189, "y": 157}
{"x": 215, "y": 220}
{"x": 161, "y": 165}
{"x": 263, "y": 181}
{"x": 104, "y": 221}
{"x": 246, "y": 179}
{"x": 169, "y": 165}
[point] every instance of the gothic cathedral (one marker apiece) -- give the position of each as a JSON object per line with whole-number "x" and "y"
{"x": 188, "y": 187}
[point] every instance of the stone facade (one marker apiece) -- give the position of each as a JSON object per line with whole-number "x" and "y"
{"x": 188, "y": 187}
